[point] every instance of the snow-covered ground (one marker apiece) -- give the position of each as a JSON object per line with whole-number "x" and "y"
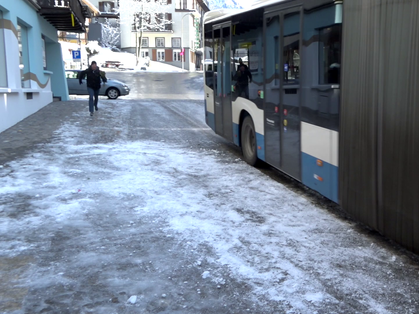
{"x": 80, "y": 208}
{"x": 156, "y": 66}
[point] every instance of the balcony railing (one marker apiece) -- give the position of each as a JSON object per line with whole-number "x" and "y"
{"x": 64, "y": 15}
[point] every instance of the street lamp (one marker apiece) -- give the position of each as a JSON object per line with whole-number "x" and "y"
{"x": 181, "y": 39}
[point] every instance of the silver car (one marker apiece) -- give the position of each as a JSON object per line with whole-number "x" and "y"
{"x": 112, "y": 88}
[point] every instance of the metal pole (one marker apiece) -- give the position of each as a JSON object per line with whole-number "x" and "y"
{"x": 81, "y": 59}
{"x": 181, "y": 42}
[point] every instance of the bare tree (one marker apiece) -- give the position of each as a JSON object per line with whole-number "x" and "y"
{"x": 92, "y": 49}
{"x": 145, "y": 15}
{"x": 111, "y": 34}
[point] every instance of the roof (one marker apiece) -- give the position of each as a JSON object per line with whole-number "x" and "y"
{"x": 223, "y": 14}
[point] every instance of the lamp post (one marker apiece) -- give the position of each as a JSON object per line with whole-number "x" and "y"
{"x": 181, "y": 39}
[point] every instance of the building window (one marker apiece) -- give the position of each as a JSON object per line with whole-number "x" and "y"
{"x": 185, "y": 4}
{"x": 144, "y": 42}
{"x": 106, "y": 6}
{"x": 44, "y": 53}
{"x": 22, "y": 35}
{"x": 176, "y": 42}
{"x": 176, "y": 55}
{"x": 168, "y": 26}
{"x": 160, "y": 55}
{"x": 3, "y": 73}
{"x": 144, "y": 54}
{"x": 160, "y": 42}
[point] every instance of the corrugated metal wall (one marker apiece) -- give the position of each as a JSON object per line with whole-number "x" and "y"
{"x": 379, "y": 135}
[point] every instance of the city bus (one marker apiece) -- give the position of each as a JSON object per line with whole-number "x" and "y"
{"x": 331, "y": 99}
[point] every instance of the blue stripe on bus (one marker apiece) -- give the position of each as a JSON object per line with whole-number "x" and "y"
{"x": 323, "y": 179}
{"x": 236, "y": 134}
{"x": 260, "y": 143}
{"x": 210, "y": 119}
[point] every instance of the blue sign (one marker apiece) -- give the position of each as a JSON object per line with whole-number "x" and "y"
{"x": 286, "y": 68}
{"x": 76, "y": 54}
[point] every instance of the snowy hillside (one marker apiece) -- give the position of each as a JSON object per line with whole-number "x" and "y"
{"x": 225, "y": 4}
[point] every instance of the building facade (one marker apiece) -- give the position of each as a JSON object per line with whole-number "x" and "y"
{"x": 32, "y": 71}
{"x": 168, "y": 31}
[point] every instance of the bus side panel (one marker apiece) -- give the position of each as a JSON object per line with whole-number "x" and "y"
{"x": 236, "y": 134}
{"x": 319, "y": 155}
{"x": 321, "y": 100}
{"x": 240, "y": 105}
{"x": 379, "y": 152}
{"x": 209, "y": 107}
{"x": 260, "y": 143}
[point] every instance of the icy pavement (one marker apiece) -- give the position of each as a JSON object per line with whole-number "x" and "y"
{"x": 158, "y": 227}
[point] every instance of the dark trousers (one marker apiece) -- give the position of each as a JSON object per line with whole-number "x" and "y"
{"x": 243, "y": 89}
{"x": 93, "y": 93}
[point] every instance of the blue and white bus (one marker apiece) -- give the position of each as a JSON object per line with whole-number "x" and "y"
{"x": 332, "y": 99}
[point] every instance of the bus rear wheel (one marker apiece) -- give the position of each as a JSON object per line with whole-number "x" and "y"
{"x": 248, "y": 141}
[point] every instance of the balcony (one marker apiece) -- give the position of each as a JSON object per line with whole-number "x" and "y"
{"x": 65, "y": 15}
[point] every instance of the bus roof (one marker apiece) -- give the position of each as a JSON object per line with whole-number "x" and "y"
{"x": 224, "y": 14}
{"x": 221, "y": 14}
{"x": 215, "y": 15}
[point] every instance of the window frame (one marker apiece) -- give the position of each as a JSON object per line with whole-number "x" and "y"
{"x": 23, "y": 40}
{"x": 161, "y": 51}
{"x": 44, "y": 52}
{"x": 176, "y": 55}
{"x": 3, "y": 61}
{"x": 173, "y": 42}
{"x": 162, "y": 40}
{"x": 147, "y": 44}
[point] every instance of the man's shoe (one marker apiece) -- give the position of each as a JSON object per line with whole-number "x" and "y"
{"x": 96, "y": 108}
{"x": 91, "y": 114}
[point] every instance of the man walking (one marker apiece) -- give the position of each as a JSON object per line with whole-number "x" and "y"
{"x": 94, "y": 76}
{"x": 242, "y": 77}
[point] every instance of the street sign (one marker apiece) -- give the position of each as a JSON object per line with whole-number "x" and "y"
{"x": 76, "y": 55}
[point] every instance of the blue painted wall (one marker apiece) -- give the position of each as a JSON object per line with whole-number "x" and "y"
{"x": 19, "y": 11}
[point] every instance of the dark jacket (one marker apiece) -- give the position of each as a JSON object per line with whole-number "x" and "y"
{"x": 242, "y": 77}
{"x": 93, "y": 77}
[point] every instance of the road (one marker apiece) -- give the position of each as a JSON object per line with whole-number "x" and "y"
{"x": 143, "y": 209}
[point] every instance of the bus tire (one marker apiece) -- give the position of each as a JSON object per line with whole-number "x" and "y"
{"x": 248, "y": 141}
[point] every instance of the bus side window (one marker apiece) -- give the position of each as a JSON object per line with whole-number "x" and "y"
{"x": 330, "y": 54}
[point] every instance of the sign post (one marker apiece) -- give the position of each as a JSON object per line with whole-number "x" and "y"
{"x": 77, "y": 56}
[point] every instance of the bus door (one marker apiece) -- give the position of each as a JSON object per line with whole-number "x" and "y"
{"x": 222, "y": 81}
{"x": 282, "y": 91}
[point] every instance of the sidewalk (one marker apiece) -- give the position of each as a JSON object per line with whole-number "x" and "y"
{"x": 38, "y": 128}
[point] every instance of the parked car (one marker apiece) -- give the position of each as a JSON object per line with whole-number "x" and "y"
{"x": 112, "y": 88}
